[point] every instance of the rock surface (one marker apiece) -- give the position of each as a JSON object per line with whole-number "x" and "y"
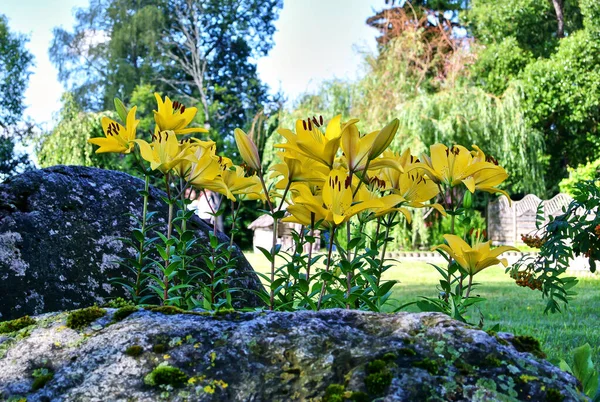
{"x": 332, "y": 355}
{"x": 59, "y": 239}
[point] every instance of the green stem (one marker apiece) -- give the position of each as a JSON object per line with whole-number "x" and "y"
{"x": 364, "y": 175}
{"x": 310, "y": 250}
{"x": 141, "y": 256}
{"x": 274, "y": 240}
{"x": 273, "y": 254}
{"x": 469, "y": 286}
{"x": 382, "y": 257}
{"x": 169, "y": 231}
{"x": 327, "y": 267}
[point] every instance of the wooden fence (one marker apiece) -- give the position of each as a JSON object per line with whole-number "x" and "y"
{"x": 506, "y": 223}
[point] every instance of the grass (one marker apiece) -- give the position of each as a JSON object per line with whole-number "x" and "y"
{"x": 517, "y": 310}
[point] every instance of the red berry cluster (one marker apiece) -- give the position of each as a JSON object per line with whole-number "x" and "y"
{"x": 533, "y": 241}
{"x": 597, "y": 230}
{"x": 527, "y": 280}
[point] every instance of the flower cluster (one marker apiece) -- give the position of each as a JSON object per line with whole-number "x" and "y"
{"x": 328, "y": 174}
{"x": 193, "y": 161}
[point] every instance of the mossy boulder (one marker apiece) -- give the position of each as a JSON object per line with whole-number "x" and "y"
{"x": 332, "y": 355}
{"x": 60, "y": 231}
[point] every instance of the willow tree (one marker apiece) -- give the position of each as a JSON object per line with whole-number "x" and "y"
{"x": 435, "y": 103}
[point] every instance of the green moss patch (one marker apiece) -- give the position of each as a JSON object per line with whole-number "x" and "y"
{"x": 168, "y": 310}
{"x": 528, "y": 344}
{"x": 378, "y": 377}
{"x": 554, "y": 395}
{"x": 428, "y": 364}
{"x": 119, "y": 302}
{"x": 134, "y": 350}
{"x": 41, "y": 377}
{"x": 124, "y": 312}
{"x": 166, "y": 375}
{"x": 334, "y": 393}
{"x": 80, "y": 319}
{"x": 16, "y": 325}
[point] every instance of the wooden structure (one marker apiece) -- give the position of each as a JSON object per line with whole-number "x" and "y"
{"x": 506, "y": 223}
{"x": 263, "y": 234}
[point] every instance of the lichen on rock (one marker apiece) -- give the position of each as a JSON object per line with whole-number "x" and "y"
{"x": 331, "y": 355}
{"x": 60, "y": 231}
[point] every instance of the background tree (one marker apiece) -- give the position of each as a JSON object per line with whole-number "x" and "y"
{"x": 200, "y": 52}
{"x": 15, "y": 62}
{"x": 113, "y": 48}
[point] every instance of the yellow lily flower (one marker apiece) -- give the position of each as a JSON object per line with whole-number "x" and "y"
{"x": 409, "y": 183}
{"x": 205, "y": 168}
{"x": 356, "y": 148}
{"x": 451, "y": 166}
{"x": 173, "y": 116}
{"x": 298, "y": 168}
{"x": 248, "y": 150}
{"x": 305, "y": 202}
{"x": 310, "y": 141}
{"x": 487, "y": 180}
{"x": 336, "y": 199}
{"x": 118, "y": 139}
{"x": 165, "y": 152}
{"x": 388, "y": 203}
{"x": 238, "y": 183}
{"x": 476, "y": 258}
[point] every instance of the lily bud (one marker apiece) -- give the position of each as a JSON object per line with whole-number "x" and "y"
{"x": 384, "y": 139}
{"x": 468, "y": 200}
{"x": 247, "y": 148}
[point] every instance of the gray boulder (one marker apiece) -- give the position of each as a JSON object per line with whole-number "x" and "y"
{"x": 332, "y": 355}
{"x": 59, "y": 239}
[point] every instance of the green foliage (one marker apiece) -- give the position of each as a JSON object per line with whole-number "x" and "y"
{"x": 450, "y": 112}
{"x": 41, "y": 377}
{"x": 16, "y": 325}
{"x": 147, "y": 46}
{"x": 118, "y": 302}
{"x": 561, "y": 101}
{"x": 11, "y": 162}
{"x": 354, "y": 278}
{"x": 573, "y": 233}
{"x": 166, "y": 375}
{"x": 498, "y": 63}
{"x": 588, "y": 172}
{"x": 79, "y": 319}
{"x": 15, "y": 64}
{"x": 584, "y": 370}
{"x": 531, "y": 23}
{"x": 465, "y": 224}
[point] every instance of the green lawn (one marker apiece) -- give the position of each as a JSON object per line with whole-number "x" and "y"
{"x": 517, "y": 310}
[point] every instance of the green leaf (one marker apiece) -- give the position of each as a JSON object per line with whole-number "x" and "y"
{"x": 584, "y": 370}
{"x": 266, "y": 253}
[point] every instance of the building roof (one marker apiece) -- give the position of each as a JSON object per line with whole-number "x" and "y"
{"x": 263, "y": 221}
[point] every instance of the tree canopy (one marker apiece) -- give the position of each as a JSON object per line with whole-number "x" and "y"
{"x": 201, "y": 52}
{"x": 15, "y": 64}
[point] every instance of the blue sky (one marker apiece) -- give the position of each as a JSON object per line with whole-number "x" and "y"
{"x": 316, "y": 40}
